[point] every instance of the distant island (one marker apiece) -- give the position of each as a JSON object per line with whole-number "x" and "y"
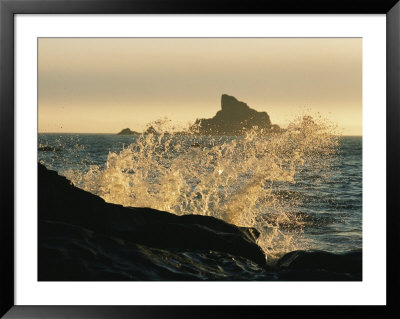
{"x": 234, "y": 118}
{"x": 127, "y": 131}
{"x": 149, "y": 130}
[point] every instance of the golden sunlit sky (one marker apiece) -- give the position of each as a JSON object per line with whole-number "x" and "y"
{"x": 102, "y": 85}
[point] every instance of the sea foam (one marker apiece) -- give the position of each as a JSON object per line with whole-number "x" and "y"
{"x": 239, "y": 179}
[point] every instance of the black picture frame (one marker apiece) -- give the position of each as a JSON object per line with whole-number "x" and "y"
{"x": 8, "y": 8}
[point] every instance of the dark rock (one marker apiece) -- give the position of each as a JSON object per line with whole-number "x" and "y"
{"x": 59, "y": 202}
{"x": 81, "y": 237}
{"x": 127, "y": 131}
{"x": 234, "y": 118}
{"x": 69, "y": 252}
{"x": 350, "y": 262}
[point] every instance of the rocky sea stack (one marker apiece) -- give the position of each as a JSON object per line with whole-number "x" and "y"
{"x": 234, "y": 118}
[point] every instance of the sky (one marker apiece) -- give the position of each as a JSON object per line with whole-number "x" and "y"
{"x": 102, "y": 85}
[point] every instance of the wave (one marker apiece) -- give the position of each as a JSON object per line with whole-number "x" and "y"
{"x": 240, "y": 180}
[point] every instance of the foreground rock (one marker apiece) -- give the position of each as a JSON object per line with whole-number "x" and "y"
{"x": 234, "y": 118}
{"x": 69, "y": 216}
{"x": 320, "y": 265}
{"x": 350, "y": 262}
{"x": 81, "y": 237}
{"x": 69, "y": 252}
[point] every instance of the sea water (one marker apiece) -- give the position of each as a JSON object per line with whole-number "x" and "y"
{"x": 300, "y": 188}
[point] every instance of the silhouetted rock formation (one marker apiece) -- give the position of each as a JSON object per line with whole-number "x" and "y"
{"x": 149, "y": 130}
{"x": 127, "y": 131}
{"x": 234, "y": 118}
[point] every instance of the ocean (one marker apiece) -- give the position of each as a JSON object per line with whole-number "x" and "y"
{"x": 300, "y": 191}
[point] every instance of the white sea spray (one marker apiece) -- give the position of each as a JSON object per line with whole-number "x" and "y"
{"x": 237, "y": 179}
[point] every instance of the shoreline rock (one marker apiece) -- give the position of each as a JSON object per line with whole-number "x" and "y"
{"x": 81, "y": 237}
{"x": 60, "y": 201}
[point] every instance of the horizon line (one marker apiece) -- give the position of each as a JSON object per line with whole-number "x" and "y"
{"x": 355, "y": 135}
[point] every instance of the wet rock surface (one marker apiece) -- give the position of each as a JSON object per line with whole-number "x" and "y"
{"x": 83, "y": 238}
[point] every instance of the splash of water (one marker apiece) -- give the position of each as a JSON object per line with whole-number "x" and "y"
{"x": 232, "y": 178}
